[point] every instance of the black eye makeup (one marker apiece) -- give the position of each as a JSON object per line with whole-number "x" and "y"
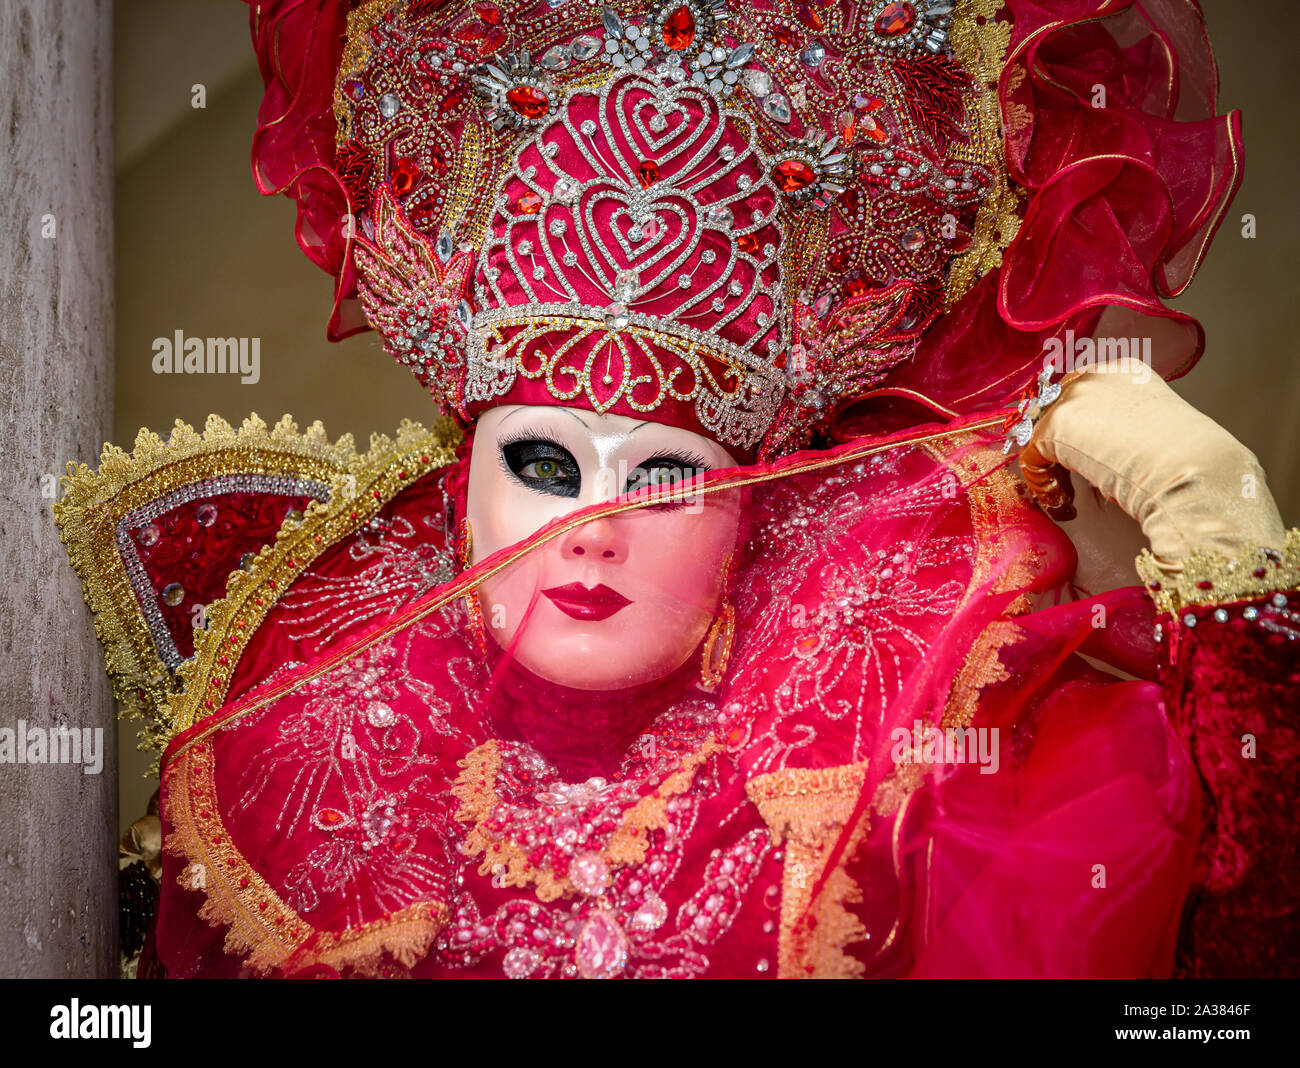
{"x": 665, "y": 471}
{"x": 540, "y": 463}
{"x": 533, "y": 457}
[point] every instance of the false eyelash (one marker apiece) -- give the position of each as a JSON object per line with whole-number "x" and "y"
{"x": 529, "y": 433}
{"x": 686, "y": 459}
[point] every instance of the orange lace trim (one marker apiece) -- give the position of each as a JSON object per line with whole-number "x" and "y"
{"x": 806, "y": 809}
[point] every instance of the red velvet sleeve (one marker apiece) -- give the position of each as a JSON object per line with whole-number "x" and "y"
{"x": 1231, "y": 678}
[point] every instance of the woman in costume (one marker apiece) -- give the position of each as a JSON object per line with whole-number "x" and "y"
{"x": 712, "y": 632}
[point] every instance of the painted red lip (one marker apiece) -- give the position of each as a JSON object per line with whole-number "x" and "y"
{"x": 581, "y": 602}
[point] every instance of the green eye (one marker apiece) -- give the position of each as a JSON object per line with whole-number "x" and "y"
{"x": 542, "y": 465}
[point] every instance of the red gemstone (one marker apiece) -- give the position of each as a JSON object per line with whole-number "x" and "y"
{"x": 855, "y": 286}
{"x": 808, "y": 16}
{"x": 850, "y": 202}
{"x": 489, "y": 13}
{"x": 839, "y": 259}
{"x": 438, "y": 159}
{"x": 748, "y": 243}
{"x": 895, "y": 19}
{"x": 679, "y": 29}
{"x": 492, "y": 40}
{"x": 791, "y": 175}
{"x": 529, "y": 102}
{"x": 786, "y": 38}
{"x": 647, "y": 173}
{"x": 530, "y": 203}
{"x": 404, "y": 176}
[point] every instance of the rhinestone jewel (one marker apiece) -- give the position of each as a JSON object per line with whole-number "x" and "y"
{"x": 520, "y": 963}
{"x": 813, "y": 55}
{"x": 529, "y": 204}
{"x": 792, "y": 175}
{"x": 380, "y": 714}
{"x": 601, "y": 950}
{"x": 647, "y": 173}
{"x": 528, "y": 101}
{"x": 895, "y": 19}
{"x": 625, "y": 283}
{"x": 679, "y": 29}
{"x": 148, "y": 535}
{"x": 720, "y": 217}
{"x": 555, "y": 58}
{"x": 389, "y": 105}
{"x": 173, "y": 593}
{"x": 616, "y": 317}
{"x": 651, "y": 915}
{"x": 584, "y": 47}
{"x": 588, "y": 873}
{"x": 758, "y": 82}
{"x": 206, "y": 514}
{"x": 777, "y": 107}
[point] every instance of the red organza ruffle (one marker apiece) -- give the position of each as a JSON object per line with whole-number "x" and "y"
{"x": 299, "y": 45}
{"x": 1110, "y": 132}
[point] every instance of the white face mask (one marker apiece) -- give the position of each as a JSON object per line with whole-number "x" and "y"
{"x": 618, "y": 601}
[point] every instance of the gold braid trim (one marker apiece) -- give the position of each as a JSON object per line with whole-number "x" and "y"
{"x": 263, "y": 929}
{"x": 357, "y": 494}
{"x": 94, "y": 502}
{"x": 994, "y": 495}
{"x": 475, "y": 788}
{"x": 981, "y": 49}
{"x": 806, "y": 808}
{"x": 1210, "y": 578}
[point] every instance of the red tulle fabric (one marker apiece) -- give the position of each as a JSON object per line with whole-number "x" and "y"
{"x": 868, "y": 593}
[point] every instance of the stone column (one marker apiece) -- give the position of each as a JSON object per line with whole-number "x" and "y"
{"x": 58, "y": 865}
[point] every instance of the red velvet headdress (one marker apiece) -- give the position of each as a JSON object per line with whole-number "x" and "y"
{"x": 764, "y": 223}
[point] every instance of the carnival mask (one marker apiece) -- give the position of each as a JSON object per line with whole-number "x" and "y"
{"x": 616, "y": 601}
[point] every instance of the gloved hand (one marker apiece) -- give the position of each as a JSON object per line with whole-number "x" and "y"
{"x": 1187, "y": 481}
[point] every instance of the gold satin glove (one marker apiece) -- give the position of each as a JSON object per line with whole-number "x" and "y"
{"x": 1189, "y": 483}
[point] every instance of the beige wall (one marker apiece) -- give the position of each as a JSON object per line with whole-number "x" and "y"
{"x": 199, "y": 250}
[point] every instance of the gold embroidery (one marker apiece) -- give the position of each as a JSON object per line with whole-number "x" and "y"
{"x": 370, "y": 481}
{"x": 981, "y": 47}
{"x": 806, "y": 808}
{"x": 1212, "y": 578}
{"x": 475, "y": 788}
{"x": 356, "y": 53}
{"x": 95, "y": 502}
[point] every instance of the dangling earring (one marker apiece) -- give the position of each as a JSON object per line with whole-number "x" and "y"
{"x": 464, "y": 542}
{"x": 722, "y": 633}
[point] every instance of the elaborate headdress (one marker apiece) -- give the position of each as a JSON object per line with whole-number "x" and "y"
{"x": 745, "y": 220}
